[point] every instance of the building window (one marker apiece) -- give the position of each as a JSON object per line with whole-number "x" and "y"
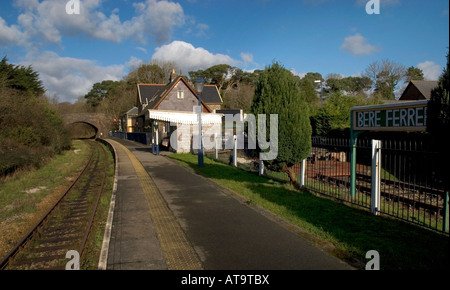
{"x": 180, "y": 95}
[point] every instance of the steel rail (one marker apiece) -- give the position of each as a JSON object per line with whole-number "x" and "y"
{"x": 6, "y": 259}
{"x": 91, "y": 220}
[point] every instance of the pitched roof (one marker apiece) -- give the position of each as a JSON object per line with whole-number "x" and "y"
{"x": 147, "y": 91}
{"x": 155, "y": 93}
{"x": 133, "y": 111}
{"x": 423, "y": 87}
{"x": 210, "y": 95}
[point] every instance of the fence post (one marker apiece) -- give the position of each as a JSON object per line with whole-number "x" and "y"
{"x": 445, "y": 224}
{"x": 302, "y": 173}
{"x": 261, "y": 168}
{"x": 217, "y": 146}
{"x": 156, "y": 140}
{"x": 376, "y": 177}
{"x": 235, "y": 151}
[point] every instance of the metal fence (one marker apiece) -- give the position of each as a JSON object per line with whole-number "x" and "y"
{"x": 410, "y": 189}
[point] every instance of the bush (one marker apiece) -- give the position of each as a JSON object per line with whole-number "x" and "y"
{"x": 31, "y": 131}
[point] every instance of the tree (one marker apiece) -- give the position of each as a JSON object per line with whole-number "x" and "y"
{"x": 277, "y": 92}
{"x": 385, "y": 76}
{"x": 414, "y": 74}
{"x": 438, "y": 123}
{"x": 310, "y": 95}
{"x": 31, "y": 130}
{"x": 235, "y": 86}
{"x": 239, "y": 97}
{"x": 224, "y": 76}
{"x": 335, "y": 113}
{"x": 313, "y": 77}
{"x": 119, "y": 101}
{"x": 308, "y": 92}
{"x": 348, "y": 85}
{"x": 21, "y": 78}
{"x": 101, "y": 91}
{"x": 155, "y": 72}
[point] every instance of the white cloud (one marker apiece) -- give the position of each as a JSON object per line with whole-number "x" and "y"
{"x": 247, "y": 58}
{"x": 201, "y": 29}
{"x": 357, "y": 45}
{"x": 48, "y": 22}
{"x": 144, "y": 50}
{"x": 10, "y": 34}
{"x": 296, "y": 73}
{"x": 190, "y": 58}
{"x": 69, "y": 78}
{"x": 157, "y": 18}
{"x": 431, "y": 70}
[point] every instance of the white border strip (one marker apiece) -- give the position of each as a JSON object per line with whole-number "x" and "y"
{"x": 102, "y": 263}
{"x": 400, "y": 104}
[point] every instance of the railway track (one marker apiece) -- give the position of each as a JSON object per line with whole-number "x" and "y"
{"x": 67, "y": 224}
{"x": 413, "y": 195}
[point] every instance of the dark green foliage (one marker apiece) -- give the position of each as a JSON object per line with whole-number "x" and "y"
{"x": 20, "y": 78}
{"x": 31, "y": 131}
{"x": 414, "y": 74}
{"x": 101, "y": 91}
{"x": 334, "y": 115}
{"x": 308, "y": 92}
{"x": 350, "y": 85}
{"x": 277, "y": 92}
{"x": 438, "y": 122}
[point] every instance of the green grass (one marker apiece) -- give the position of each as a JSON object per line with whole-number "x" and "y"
{"x": 15, "y": 202}
{"x": 27, "y": 194}
{"x": 91, "y": 256}
{"x": 21, "y": 192}
{"x": 352, "y": 231}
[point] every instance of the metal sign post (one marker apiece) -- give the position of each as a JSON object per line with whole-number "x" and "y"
{"x": 353, "y": 139}
{"x": 400, "y": 116}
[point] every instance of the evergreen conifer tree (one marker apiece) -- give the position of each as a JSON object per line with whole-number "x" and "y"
{"x": 438, "y": 123}
{"x": 277, "y": 92}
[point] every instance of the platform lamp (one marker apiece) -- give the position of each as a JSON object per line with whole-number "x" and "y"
{"x": 198, "y": 85}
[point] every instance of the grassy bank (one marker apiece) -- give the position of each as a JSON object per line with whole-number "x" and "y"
{"x": 26, "y": 195}
{"x": 352, "y": 232}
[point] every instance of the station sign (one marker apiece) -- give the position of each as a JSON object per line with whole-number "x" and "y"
{"x": 401, "y": 116}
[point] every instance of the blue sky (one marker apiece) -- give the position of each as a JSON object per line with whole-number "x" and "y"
{"x": 109, "y": 37}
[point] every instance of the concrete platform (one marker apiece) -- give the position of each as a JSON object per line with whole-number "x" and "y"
{"x": 133, "y": 244}
{"x": 217, "y": 230}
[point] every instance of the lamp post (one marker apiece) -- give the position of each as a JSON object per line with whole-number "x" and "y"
{"x": 199, "y": 83}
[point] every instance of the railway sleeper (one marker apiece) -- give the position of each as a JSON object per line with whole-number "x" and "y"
{"x": 40, "y": 263}
{"x": 58, "y": 233}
